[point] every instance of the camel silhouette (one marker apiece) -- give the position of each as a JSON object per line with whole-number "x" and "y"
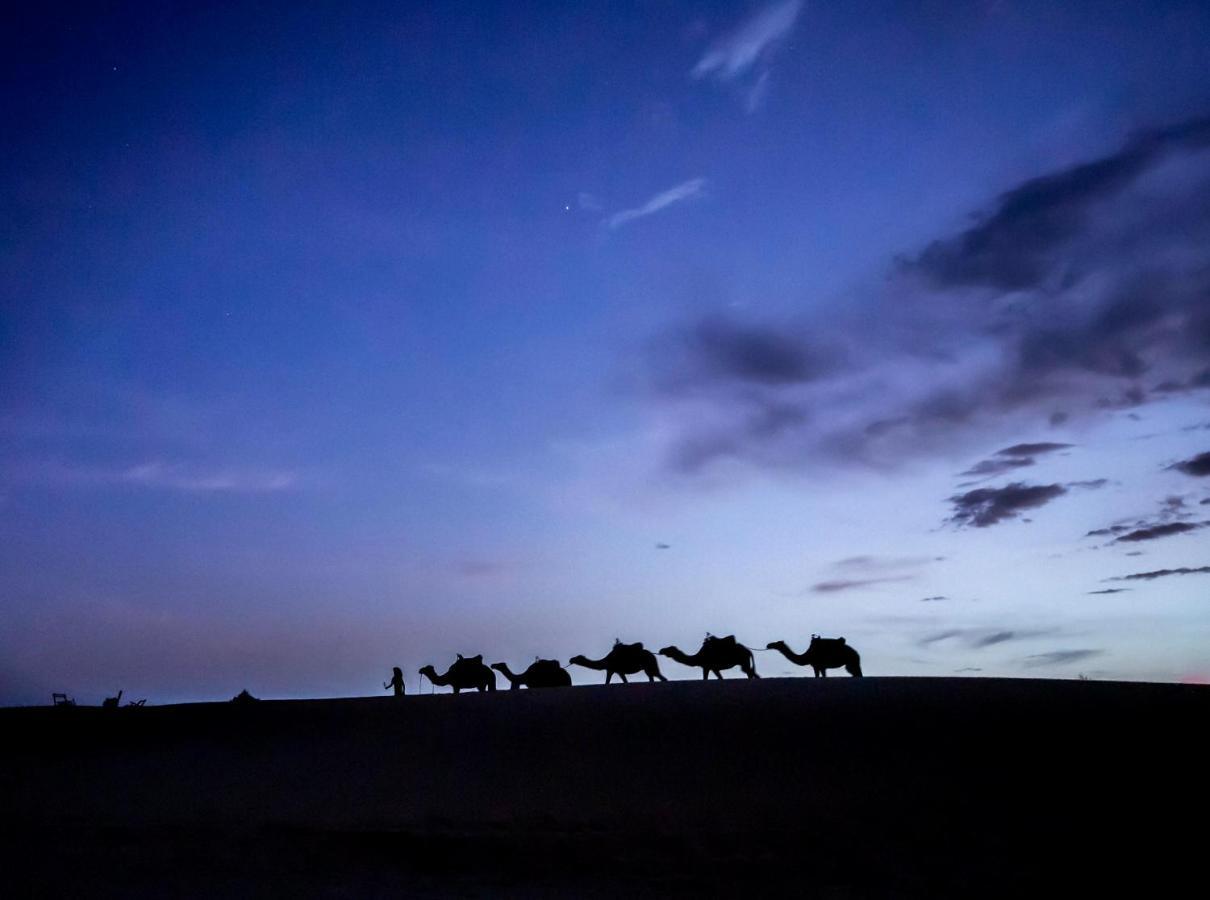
{"x": 716, "y": 654}
{"x": 622, "y": 660}
{"x": 467, "y": 672}
{"x": 823, "y": 654}
{"x": 541, "y": 673}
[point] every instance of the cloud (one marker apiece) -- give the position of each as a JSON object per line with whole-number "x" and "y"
{"x": 160, "y": 475}
{"x": 1161, "y": 573}
{"x": 588, "y": 202}
{"x": 1019, "y": 245}
{"x": 1053, "y": 307}
{"x": 849, "y": 584}
{"x": 998, "y": 637}
{"x": 1197, "y": 466}
{"x": 1060, "y": 657}
{"x": 1110, "y": 591}
{"x": 997, "y": 466}
{"x": 989, "y": 506}
{"x": 882, "y": 563}
{"x": 936, "y": 599}
{"x": 719, "y": 350}
{"x": 175, "y": 477}
{"x": 482, "y": 568}
{"x": 737, "y": 52}
{"x": 1166, "y": 529}
{"x": 1018, "y": 456}
{"x": 1032, "y": 449}
{"x": 681, "y": 192}
{"x": 1168, "y": 521}
{"x": 979, "y": 639}
{"x": 934, "y": 638}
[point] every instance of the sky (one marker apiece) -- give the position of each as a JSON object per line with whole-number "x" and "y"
{"x": 358, "y": 335}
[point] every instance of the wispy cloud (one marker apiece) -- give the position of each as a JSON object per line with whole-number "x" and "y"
{"x": 738, "y": 51}
{"x": 684, "y": 191}
{"x": 848, "y": 584}
{"x": 1060, "y": 657}
{"x": 175, "y": 477}
{"x": 1162, "y": 573}
{"x": 156, "y": 474}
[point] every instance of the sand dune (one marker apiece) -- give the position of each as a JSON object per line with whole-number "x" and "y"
{"x": 914, "y": 787}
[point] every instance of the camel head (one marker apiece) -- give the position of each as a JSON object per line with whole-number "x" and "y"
{"x": 668, "y": 651}
{"x": 776, "y": 645}
{"x": 428, "y": 672}
{"x": 578, "y": 660}
{"x": 499, "y": 667}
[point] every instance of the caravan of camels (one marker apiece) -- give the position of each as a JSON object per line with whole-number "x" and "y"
{"x": 715, "y": 655}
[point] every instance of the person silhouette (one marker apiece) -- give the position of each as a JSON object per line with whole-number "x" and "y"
{"x": 396, "y": 682}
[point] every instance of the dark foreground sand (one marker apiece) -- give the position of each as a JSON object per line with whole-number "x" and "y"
{"x": 836, "y": 788}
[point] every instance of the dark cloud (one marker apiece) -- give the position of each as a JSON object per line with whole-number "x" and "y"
{"x": 1075, "y": 291}
{"x": 1162, "y": 573}
{"x": 1198, "y": 382}
{"x": 1060, "y": 657}
{"x": 980, "y": 638}
{"x": 998, "y": 637}
{"x": 1092, "y": 484}
{"x": 968, "y": 669}
{"x": 988, "y": 506}
{"x": 883, "y": 563}
{"x": 1111, "y": 591}
{"x": 936, "y": 599}
{"x": 930, "y": 639}
{"x": 1166, "y": 529}
{"x": 718, "y": 349}
{"x": 1166, "y": 522}
{"x": 1197, "y": 466}
{"x": 1018, "y": 245}
{"x": 997, "y": 466}
{"x": 849, "y": 584}
{"x": 1032, "y": 449}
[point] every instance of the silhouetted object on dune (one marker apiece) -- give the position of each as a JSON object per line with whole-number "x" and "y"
{"x": 542, "y": 673}
{"x": 396, "y": 682}
{"x": 62, "y": 700}
{"x": 823, "y": 654}
{"x": 467, "y": 672}
{"x": 716, "y": 654}
{"x": 142, "y": 701}
{"x": 623, "y": 660}
{"x": 111, "y": 702}
{"x": 244, "y": 697}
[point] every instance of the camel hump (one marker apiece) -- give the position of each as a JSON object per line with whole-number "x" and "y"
{"x": 633, "y": 648}
{"x": 725, "y": 640}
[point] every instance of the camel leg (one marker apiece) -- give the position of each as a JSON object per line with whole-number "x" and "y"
{"x": 705, "y": 674}
{"x": 608, "y": 675}
{"x": 622, "y": 675}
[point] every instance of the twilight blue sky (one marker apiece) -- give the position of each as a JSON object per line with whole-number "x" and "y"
{"x": 341, "y": 337}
